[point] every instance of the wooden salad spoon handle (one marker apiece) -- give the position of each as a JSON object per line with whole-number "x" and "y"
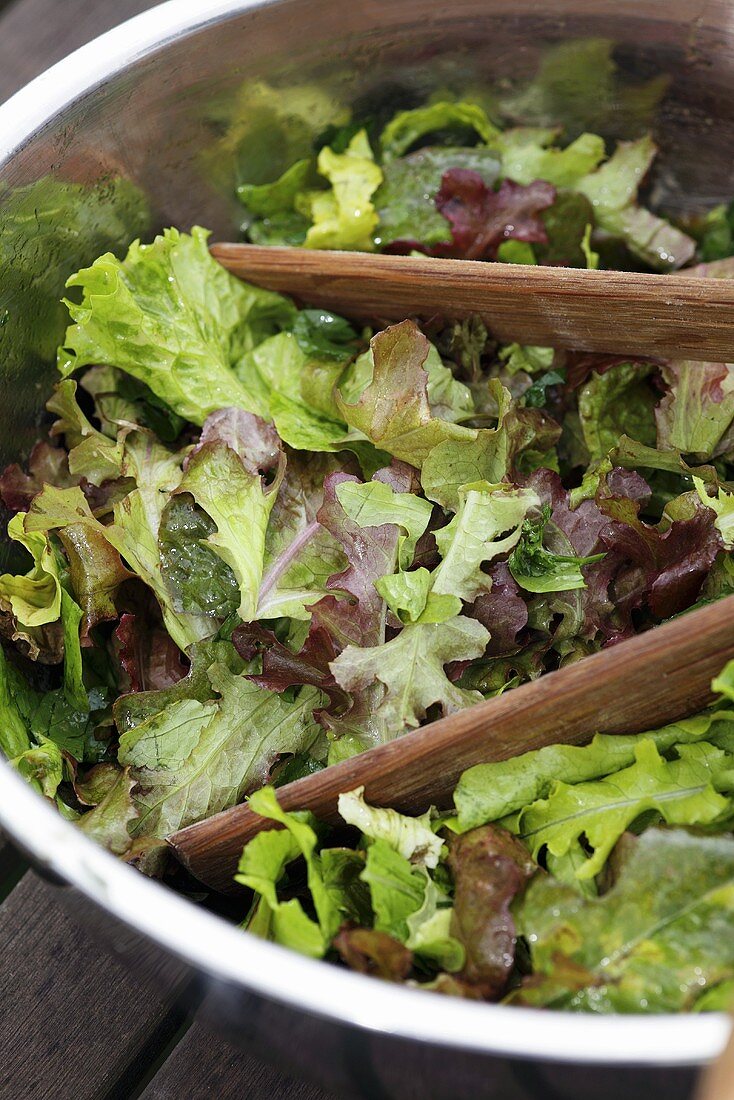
{"x": 681, "y": 316}
{"x": 654, "y": 678}
{"x": 717, "y": 1082}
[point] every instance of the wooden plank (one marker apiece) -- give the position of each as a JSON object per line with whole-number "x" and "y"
{"x": 203, "y": 1066}
{"x": 74, "y": 1025}
{"x": 36, "y": 33}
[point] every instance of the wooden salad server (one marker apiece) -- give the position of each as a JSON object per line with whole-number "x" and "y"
{"x": 654, "y": 678}
{"x": 680, "y": 316}
{"x": 717, "y": 1082}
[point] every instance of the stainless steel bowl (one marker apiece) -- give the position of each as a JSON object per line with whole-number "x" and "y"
{"x": 179, "y": 103}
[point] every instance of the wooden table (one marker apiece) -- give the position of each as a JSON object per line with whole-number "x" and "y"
{"x": 71, "y": 1032}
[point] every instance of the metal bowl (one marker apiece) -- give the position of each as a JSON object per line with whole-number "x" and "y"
{"x": 179, "y": 102}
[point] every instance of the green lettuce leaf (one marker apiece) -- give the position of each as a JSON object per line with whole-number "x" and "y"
{"x": 373, "y": 503}
{"x": 33, "y": 598}
{"x": 723, "y": 504}
{"x": 654, "y": 943}
{"x": 489, "y": 792}
{"x": 199, "y": 580}
{"x": 323, "y": 335}
{"x": 486, "y": 454}
{"x": 524, "y": 162}
{"x": 408, "y": 905}
{"x": 14, "y": 739}
{"x": 412, "y": 837}
{"x": 344, "y": 216}
{"x": 393, "y": 410}
{"x": 91, "y": 453}
{"x": 696, "y": 415}
{"x": 683, "y": 791}
{"x": 136, "y": 526}
{"x": 397, "y": 889}
{"x": 266, "y": 199}
{"x": 411, "y": 669}
{"x": 407, "y": 127}
{"x": 262, "y": 865}
{"x": 612, "y": 191}
{"x": 410, "y": 597}
{"x": 192, "y": 760}
{"x": 236, "y": 499}
{"x": 578, "y": 85}
{"x": 487, "y": 524}
{"x": 616, "y": 403}
{"x": 172, "y": 317}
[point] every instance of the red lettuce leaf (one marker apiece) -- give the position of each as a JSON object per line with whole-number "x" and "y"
{"x": 359, "y": 618}
{"x": 660, "y": 570}
{"x": 252, "y": 438}
{"x": 489, "y": 867}
{"x": 481, "y": 218}
{"x": 96, "y": 572}
{"x": 148, "y": 655}
{"x": 372, "y": 952}
{"x": 502, "y": 610}
{"x": 46, "y": 465}
{"x": 281, "y": 668}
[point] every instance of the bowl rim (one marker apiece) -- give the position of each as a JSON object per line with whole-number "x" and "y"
{"x": 206, "y": 941}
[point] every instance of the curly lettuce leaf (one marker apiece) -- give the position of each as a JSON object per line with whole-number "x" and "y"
{"x": 34, "y": 598}
{"x": 301, "y": 553}
{"x": 411, "y": 598}
{"x": 486, "y": 454}
{"x": 92, "y": 454}
{"x": 262, "y": 865}
{"x": 135, "y": 528}
{"x": 373, "y": 503}
{"x": 722, "y": 504}
{"x": 412, "y": 837}
{"x": 172, "y": 317}
{"x": 682, "y": 791}
{"x": 193, "y": 759}
{"x": 407, "y": 127}
{"x": 371, "y": 552}
{"x": 489, "y": 867}
{"x": 525, "y": 161}
{"x": 696, "y": 415}
{"x": 489, "y": 792}
{"x": 614, "y": 403}
{"x": 481, "y": 218}
{"x": 393, "y": 410}
{"x": 487, "y": 525}
{"x": 344, "y": 216}
{"x": 410, "y": 668}
{"x": 612, "y": 191}
{"x": 200, "y": 582}
{"x": 653, "y": 943}
{"x": 235, "y": 498}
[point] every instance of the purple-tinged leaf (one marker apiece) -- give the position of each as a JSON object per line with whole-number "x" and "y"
{"x": 489, "y": 867}
{"x": 482, "y": 218}
{"x": 281, "y": 668}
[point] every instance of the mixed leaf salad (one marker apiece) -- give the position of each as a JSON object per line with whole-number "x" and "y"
{"x": 258, "y": 539}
